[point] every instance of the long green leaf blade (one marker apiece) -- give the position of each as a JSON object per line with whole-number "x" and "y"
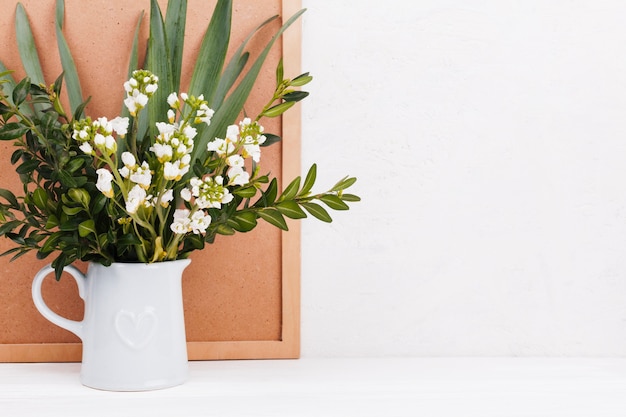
{"x": 228, "y": 112}
{"x": 133, "y": 62}
{"x": 26, "y": 46}
{"x": 72, "y": 82}
{"x": 159, "y": 63}
{"x": 235, "y": 67}
{"x": 175, "y": 19}
{"x": 212, "y": 54}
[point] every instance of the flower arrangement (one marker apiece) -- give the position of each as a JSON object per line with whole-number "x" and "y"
{"x": 169, "y": 174}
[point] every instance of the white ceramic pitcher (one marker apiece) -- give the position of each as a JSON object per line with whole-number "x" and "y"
{"x": 133, "y": 330}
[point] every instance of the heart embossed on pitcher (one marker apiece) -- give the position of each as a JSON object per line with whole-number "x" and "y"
{"x": 136, "y": 330}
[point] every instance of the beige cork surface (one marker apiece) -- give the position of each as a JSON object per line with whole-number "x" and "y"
{"x": 234, "y": 291}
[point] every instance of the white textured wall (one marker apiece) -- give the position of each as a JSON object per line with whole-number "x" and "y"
{"x": 489, "y": 139}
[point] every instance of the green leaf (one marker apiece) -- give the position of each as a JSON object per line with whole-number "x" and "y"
{"x": 350, "y": 197}
{"x": 301, "y": 80}
{"x": 129, "y": 239}
{"x": 9, "y": 86}
{"x": 87, "y": 227}
{"x": 212, "y": 54}
{"x": 60, "y": 13}
{"x": 295, "y": 96}
{"x": 268, "y": 197}
{"x": 245, "y": 192}
{"x": 317, "y": 211}
{"x": 72, "y": 82}
{"x": 158, "y": 61}
{"x": 78, "y": 113}
{"x": 9, "y": 226}
{"x": 235, "y": 66}
{"x": 21, "y": 91}
{"x": 59, "y": 263}
{"x": 9, "y": 197}
{"x": 278, "y": 109}
{"x": 291, "y": 209}
{"x": 243, "y": 221}
{"x": 280, "y": 72}
{"x": 226, "y": 114}
{"x": 40, "y": 198}
{"x": 16, "y": 156}
{"x": 80, "y": 195}
{"x": 344, "y": 183}
{"x": 27, "y": 166}
{"x": 274, "y": 218}
{"x": 225, "y": 230}
{"x": 11, "y": 131}
{"x": 309, "y": 181}
{"x": 52, "y": 221}
{"x": 334, "y": 202}
{"x": 133, "y": 64}
{"x": 175, "y": 18}
{"x": 270, "y": 139}
{"x": 291, "y": 190}
{"x": 71, "y": 211}
{"x": 26, "y": 46}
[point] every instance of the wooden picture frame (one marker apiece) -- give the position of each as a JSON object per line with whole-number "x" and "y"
{"x": 246, "y": 271}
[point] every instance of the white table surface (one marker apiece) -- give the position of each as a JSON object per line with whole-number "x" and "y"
{"x": 455, "y": 387}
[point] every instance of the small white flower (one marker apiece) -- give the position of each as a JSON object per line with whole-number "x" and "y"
{"x": 190, "y": 132}
{"x": 142, "y": 176}
{"x": 171, "y": 116}
{"x": 162, "y": 152}
{"x": 204, "y": 114}
{"x": 220, "y": 146}
{"x": 103, "y": 123}
{"x": 237, "y": 176}
{"x": 87, "y": 148}
{"x": 173, "y": 101}
{"x": 104, "y": 182}
{"x": 254, "y": 151}
{"x": 232, "y": 132}
{"x": 180, "y": 223}
{"x": 199, "y": 222}
{"x": 166, "y": 198}
{"x": 120, "y": 125}
{"x": 151, "y": 88}
{"x": 235, "y": 161}
{"x": 99, "y": 139}
{"x": 165, "y": 128}
{"x": 172, "y": 171}
{"x": 131, "y": 105}
{"x": 136, "y": 197}
{"x": 129, "y": 159}
{"x": 124, "y": 172}
{"x": 185, "y": 194}
{"x": 110, "y": 144}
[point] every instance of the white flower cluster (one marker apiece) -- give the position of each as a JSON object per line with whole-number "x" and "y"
{"x": 139, "y": 89}
{"x": 173, "y": 148}
{"x": 248, "y": 138}
{"x": 207, "y": 193}
{"x": 186, "y": 221}
{"x": 97, "y": 135}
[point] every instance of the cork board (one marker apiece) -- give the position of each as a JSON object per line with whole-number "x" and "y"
{"x": 241, "y": 294}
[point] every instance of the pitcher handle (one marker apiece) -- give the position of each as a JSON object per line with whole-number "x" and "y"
{"x": 67, "y": 324}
